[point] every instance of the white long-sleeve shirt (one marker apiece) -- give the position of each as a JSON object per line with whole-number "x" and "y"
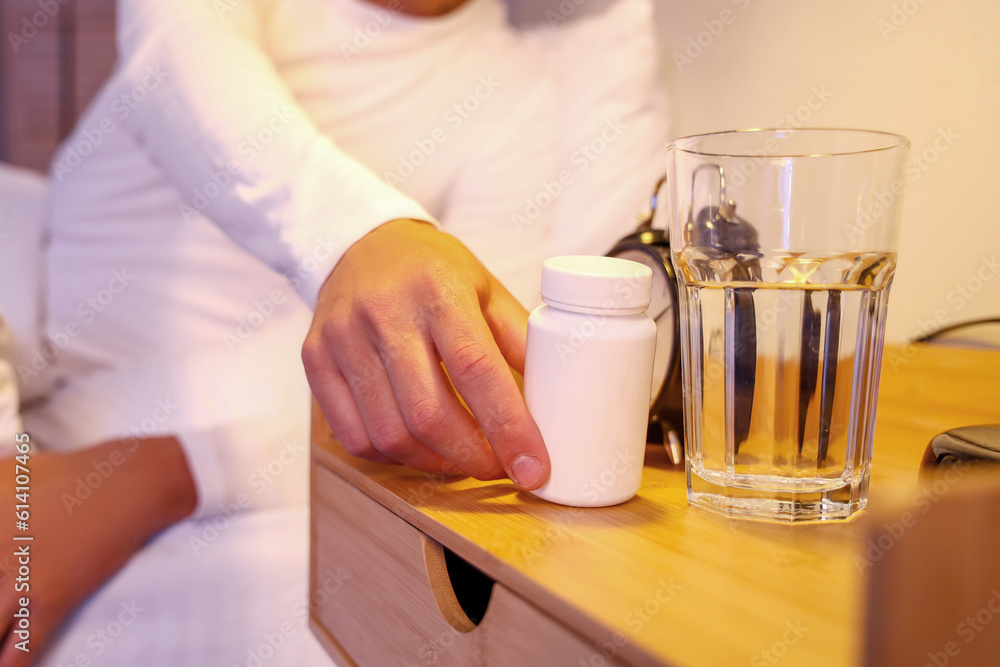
{"x": 205, "y": 196}
{"x": 240, "y": 148}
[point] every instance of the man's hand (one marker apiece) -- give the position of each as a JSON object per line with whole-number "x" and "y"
{"x": 82, "y": 538}
{"x": 404, "y": 300}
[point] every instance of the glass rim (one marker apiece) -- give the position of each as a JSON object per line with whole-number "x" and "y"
{"x": 893, "y": 141}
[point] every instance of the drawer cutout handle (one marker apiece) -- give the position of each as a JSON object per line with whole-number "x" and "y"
{"x": 461, "y": 590}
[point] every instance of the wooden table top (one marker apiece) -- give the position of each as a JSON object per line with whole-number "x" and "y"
{"x": 682, "y": 585}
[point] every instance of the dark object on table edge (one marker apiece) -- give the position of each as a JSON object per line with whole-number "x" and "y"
{"x": 967, "y": 445}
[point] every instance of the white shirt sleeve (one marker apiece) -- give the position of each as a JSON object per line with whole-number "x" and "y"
{"x": 216, "y": 116}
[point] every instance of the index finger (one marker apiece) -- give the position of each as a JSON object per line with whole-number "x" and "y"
{"x": 482, "y": 376}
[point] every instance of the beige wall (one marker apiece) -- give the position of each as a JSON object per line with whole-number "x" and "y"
{"x": 937, "y": 75}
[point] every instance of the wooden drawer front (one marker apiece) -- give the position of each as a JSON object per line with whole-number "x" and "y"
{"x": 394, "y": 601}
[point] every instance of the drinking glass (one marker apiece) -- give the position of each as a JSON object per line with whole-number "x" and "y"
{"x": 784, "y": 243}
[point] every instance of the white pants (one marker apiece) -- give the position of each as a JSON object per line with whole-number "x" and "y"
{"x": 213, "y": 592}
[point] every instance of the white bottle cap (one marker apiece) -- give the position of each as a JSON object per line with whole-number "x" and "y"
{"x": 584, "y": 283}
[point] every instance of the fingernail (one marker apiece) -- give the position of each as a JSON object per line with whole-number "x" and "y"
{"x": 525, "y": 470}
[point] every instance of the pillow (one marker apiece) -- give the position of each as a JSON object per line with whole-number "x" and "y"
{"x": 10, "y": 408}
{"x": 22, "y": 225}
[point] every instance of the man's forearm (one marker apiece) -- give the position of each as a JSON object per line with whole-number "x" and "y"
{"x": 92, "y": 510}
{"x": 420, "y": 7}
{"x": 153, "y": 485}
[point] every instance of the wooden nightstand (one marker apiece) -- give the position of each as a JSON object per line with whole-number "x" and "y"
{"x": 654, "y": 581}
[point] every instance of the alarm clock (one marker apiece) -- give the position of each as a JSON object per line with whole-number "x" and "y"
{"x": 651, "y": 247}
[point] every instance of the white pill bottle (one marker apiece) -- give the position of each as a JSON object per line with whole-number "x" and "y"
{"x": 587, "y": 379}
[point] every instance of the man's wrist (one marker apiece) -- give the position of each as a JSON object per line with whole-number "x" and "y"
{"x": 395, "y": 226}
{"x": 156, "y": 479}
{"x": 424, "y": 8}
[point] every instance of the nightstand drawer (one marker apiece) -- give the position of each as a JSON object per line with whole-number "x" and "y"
{"x": 394, "y": 602}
